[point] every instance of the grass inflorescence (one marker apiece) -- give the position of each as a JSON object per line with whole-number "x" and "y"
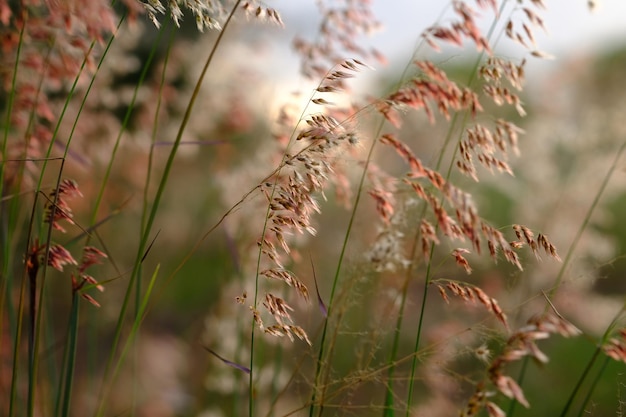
{"x": 183, "y": 234}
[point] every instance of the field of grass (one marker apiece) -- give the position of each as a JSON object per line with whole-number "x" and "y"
{"x": 182, "y": 234}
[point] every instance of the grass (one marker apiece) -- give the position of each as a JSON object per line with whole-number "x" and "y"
{"x": 339, "y": 230}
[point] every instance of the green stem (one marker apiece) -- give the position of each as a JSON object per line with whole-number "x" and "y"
{"x": 20, "y": 313}
{"x": 4, "y": 287}
{"x": 147, "y": 229}
{"x": 471, "y": 80}
{"x": 419, "y": 331}
{"x": 33, "y": 372}
{"x": 129, "y": 111}
{"x": 330, "y": 306}
{"x": 585, "y": 223}
{"x": 566, "y": 261}
{"x": 580, "y": 381}
{"x": 38, "y": 317}
{"x": 10, "y": 101}
{"x": 596, "y": 353}
{"x": 593, "y": 385}
{"x": 70, "y": 365}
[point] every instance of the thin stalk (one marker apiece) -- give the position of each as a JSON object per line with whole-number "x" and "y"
{"x": 580, "y": 381}
{"x": 36, "y": 321}
{"x": 144, "y": 214}
{"x": 134, "y": 331}
{"x": 155, "y": 45}
{"x": 344, "y": 246}
{"x": 388, "y": 409}
{"x": 585, "y": 223}
{"x": 35, "y": 356}
{"x": 4, "y": 284}
{"x": 70, "y": 94}
{"x": 258, "y": 265}
{"x": 118, "y": 139}
{"x": 429, "y": 264}
{"x": 147, "y": 229}
{"x": 70, "y": 355}
{"x": 565, "y": 264}
{"x": 11, "y": 215}
{"x": 235, "y": 206}
{"x": 419, "y": 331}
{"x": 10, "y": 101}
{"x": 607, "y": 333}
{"x": 594, "y": 383}
{"x": 20, "y": 316}
{"x": 590, "y": 364}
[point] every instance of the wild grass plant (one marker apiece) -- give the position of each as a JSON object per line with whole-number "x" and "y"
{"x": 175, "y": 242}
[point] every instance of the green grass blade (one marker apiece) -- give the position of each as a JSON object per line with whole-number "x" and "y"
{"x": 147, "y": 230}
{"x": 125, "y": 121}
{"x": 4, "y": 285}
{"x": 68, "y": 369}
{"x": 138, "y": 320}
{"x": 594, "y": 383}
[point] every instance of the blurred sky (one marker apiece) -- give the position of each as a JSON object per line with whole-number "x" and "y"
{"x": 574, "y": 33}
{"x": 572, "y": 28}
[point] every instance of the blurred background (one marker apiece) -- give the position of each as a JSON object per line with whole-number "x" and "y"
{"x": 574, "y": 128}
